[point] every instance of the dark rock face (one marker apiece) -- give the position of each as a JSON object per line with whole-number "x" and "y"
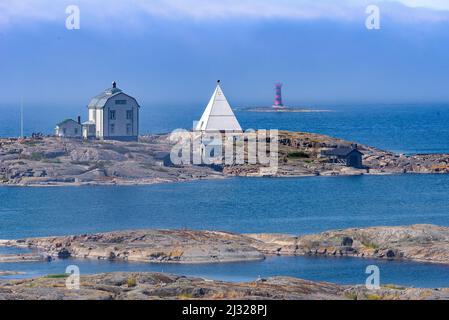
{"x": 390, "y": 254}
{"x": 347, "y": 242}
{"x": 64, "y": 254}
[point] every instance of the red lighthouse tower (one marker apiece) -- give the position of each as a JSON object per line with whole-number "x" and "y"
{"x": 278, "y": 96}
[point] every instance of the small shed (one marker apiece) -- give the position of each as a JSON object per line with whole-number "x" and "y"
{"x": 348, "y": 156}
{"x": 163, "y": 159}
{"x": 69, "y": 128}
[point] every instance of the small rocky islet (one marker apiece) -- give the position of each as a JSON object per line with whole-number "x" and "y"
{"x": 51, "y": 161}
{"x": 417, "y": 242}
{"x": 420, "y": 243}
{"x": 162, "y": 286}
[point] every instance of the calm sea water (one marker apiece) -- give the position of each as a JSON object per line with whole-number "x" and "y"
{"x": 337, "y": 270}
{"x": 400, "y": 128}
{"x": 286, "y": 205}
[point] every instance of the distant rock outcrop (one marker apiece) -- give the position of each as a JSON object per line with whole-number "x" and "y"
{"x": 423, "y": 243}
{"x": 148, "y": 286}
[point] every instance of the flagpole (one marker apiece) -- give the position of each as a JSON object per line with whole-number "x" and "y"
{"x": 21, "y": 117}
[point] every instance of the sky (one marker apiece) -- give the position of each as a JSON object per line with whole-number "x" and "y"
{"x": 168, "y": 52}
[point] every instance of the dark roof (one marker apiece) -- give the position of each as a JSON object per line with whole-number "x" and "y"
{"x": 161, "y": 155}
{"x": 66, "y": 121}
{"x": 99, "y": 101}
{"x": 340, "y": 151}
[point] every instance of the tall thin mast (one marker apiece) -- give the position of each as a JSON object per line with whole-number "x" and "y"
{"x": 21, "y": 117}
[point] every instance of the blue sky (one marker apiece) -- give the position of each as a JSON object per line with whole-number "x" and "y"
{"x": 172, "y": 52}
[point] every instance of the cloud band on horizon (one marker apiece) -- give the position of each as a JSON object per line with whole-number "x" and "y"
{"x": 95, "y": 13}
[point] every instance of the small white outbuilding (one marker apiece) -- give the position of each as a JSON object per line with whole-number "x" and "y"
{"x": 68, "y": 128}
{"x": 218, "y": 115}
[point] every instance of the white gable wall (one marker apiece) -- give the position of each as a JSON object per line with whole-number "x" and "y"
{"x": 120, "y": 124}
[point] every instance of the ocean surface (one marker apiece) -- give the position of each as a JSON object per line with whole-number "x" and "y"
{"x": 287, "y": 205}
{"x": 400, "y": 128}
{"x": 336, "y": 270}
{"x": 283, "y": 205}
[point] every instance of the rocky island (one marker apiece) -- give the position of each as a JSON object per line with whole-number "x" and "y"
{"x": 146, "y": 286}
{"x": 421, "y": 243}
{"x": 61, "y": 161}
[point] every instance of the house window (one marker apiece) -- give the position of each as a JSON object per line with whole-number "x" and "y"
{"x": 129, "y": 114}
{"x": 64, "y": 131}
{"x": 112, "y": 114}
{"x": 120, "y": 101}
{"x": 129, "y": 130}
{"x": 76, "y": 131}
{"x": 112, "y": 128}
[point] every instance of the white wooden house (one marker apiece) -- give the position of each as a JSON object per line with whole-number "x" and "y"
{"x": 114, "y": 114}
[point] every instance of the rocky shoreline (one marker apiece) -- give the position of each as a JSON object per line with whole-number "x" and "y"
{"x": 54, "y": 161}
{"x": 157, "y": 286}
{"x": 420, "y": 243}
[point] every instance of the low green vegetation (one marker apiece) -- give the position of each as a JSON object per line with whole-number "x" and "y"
{"x": 132, "y": 282}
{"x": 298, "y": 155}
{"x": 185, "y": 296}
{"x": 370, "y": 245}
{"x": 351, "y": 295}
{"x": 30, "y": 143}
{"x": 393, "y": 286}
{"x": 53, "y": 160}
{"x": 36, "y": 156}
{"x": 57, "y": 276}
{"x": 373, "y": 297}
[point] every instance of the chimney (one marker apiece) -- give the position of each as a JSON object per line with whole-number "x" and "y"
{"x": 79, "y": 120}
